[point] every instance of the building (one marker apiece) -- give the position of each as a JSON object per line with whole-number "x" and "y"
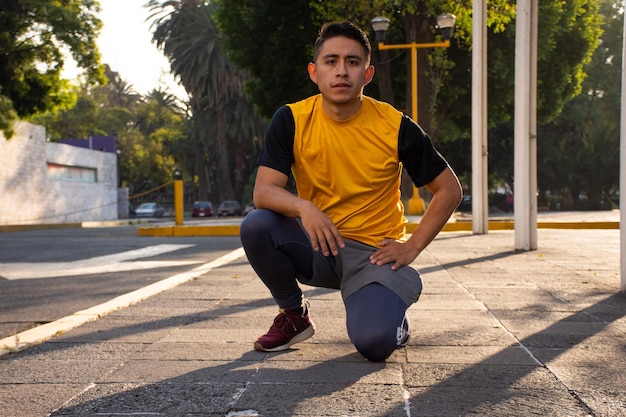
{"x": 43, "y": 182}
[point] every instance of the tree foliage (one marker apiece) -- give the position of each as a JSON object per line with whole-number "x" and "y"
{"x": 34, "y": 34}
{"x": 224, "y": 125}
{"x": 578, "y": 152}
{"x": 272, "y": 40}
{"x": 152, "y": 130}
{"x": 568, "y": 34}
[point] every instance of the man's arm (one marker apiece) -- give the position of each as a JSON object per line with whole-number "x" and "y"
{"x": 270, "y": 194}
{"x": 447, "y": 194}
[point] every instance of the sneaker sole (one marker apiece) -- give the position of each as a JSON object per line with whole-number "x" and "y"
{"x": 306, "y": 334}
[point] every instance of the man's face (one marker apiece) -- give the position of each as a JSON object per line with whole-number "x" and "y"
{"x": 341, "y": 70}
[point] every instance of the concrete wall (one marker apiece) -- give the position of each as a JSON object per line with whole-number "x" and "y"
{"x": 29, "y": 196}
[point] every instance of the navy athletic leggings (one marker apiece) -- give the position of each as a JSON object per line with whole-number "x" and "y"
{"x": 279, "y": 251}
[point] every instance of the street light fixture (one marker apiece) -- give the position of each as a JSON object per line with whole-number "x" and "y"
{"x": 445, "y": 22}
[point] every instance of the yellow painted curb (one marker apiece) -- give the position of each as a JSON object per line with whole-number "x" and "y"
{"x": 464, "y": 226}
{"x": 179, "y": 231}
{"x": 216, "y": 230}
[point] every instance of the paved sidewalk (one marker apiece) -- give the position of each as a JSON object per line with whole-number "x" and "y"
{"x": 495, "y": 333}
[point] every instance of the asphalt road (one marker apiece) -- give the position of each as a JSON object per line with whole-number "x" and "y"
{"x": 49, "y": 274}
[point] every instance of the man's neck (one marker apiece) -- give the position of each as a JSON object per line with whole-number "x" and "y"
{"x": 342, "y": 111}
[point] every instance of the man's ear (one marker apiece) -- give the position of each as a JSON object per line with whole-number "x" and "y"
{"x": 312, "y": 72}
{"x": 369, "y": 74}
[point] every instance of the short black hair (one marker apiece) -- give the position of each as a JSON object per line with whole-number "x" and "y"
{"x": 345, "y": 29}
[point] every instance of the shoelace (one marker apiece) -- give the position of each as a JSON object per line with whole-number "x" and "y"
{"x": 279, "y": 323}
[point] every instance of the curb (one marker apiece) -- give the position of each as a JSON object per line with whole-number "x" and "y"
{"x": 460, "y": 226}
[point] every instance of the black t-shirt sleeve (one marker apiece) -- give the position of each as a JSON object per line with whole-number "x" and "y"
{"x": 417, "y": 153}
{"x": 278, "y": 150}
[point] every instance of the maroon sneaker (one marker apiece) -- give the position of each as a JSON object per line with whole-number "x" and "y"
{"x": 289, "y": 328}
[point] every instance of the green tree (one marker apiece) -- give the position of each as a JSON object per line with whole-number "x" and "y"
{"x": 152, "y": 131}
{"x": 272, "y": 40}
{"x": 186, "y": 33}
{"x": 33, "y": 37}
{"x": 101, "y": 110}
{"x": 579, "y": 151}
{"x": 154, "y": 144}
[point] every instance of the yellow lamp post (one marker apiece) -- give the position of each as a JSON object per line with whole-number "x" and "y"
{"x": 380, "y": 26}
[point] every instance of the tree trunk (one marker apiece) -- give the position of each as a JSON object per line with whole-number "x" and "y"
{"x": 223, "y": 174}
{"x": 382, "y": 63}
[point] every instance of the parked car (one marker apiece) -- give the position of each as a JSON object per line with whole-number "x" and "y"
{"x": 149, "y": 210}
{"x": 229, "y": 208}
{"x": 202, "y": 209}
{"x": 247, "y": 209}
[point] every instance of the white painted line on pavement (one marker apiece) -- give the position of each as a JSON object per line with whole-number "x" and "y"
{"x": 46, "y": 331}
{"x": 117, "y": 262}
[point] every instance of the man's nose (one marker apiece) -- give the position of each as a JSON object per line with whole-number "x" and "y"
{"x": 342, "y": 69}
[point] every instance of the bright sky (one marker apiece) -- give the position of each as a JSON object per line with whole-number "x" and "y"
{"x": 125, "y": 44}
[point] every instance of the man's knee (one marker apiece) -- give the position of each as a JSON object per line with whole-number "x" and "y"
{"x": 257, "y": 223}
{"x": 375, "y": 345}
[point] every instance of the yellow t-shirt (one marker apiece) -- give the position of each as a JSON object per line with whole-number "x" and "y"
{"x": 351, "y": 169}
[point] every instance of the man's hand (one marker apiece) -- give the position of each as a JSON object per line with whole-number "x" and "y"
{"x": 322, "y": 231}
{"x": 400, "y": 253}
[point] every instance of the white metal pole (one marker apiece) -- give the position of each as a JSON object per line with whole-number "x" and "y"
{"x": 480, "y": 203}
{"x": 521, "y": 125}
{"x": 532, "y": 118}
{"x": 622, "y": 171}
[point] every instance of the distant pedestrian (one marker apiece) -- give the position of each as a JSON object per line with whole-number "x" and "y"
{"x": 345, "y": 228}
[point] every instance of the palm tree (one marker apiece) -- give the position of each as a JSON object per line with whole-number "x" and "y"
{"x": 186, "y": 33}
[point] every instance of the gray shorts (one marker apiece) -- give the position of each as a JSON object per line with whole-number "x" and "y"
{"x": 351, "y": 269}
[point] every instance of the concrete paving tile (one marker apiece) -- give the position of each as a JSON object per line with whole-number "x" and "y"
{"x": 162, "y": 399}
{"x": 446, "y": 317}
{"x": 445, "y": 302}
{"x": 30, "y": 400}
{"x": 54, "y": 351}
{"x": 323, "y": 352}
{"x": 527, "y": 328}
{"x": 542, "y": 316}
{"x": 200, "y": 335}
{"x": 611, "y": 377}
{"x": 232, "y": 323}
{"x": 344, "y": 372}
{"x": 257, "y": 307}
{"x": 447, "y": 290}
{"x": 29, "y": 371}
{"x": 479, "y": 375}
{"x": 485, "y": 401}
{"x": 323, "y": 400}
{"x": 520, "y": 303}
{"x": 134, "y": 329}
{"x": 604, "y": 402}
{"x": 595, "y": 351}
{"x": 163, "y": 310}
{"x": 181, "y": 372}
{"x": 496, "y": 355}
{"x": 189, "y": 351}
{"x": 490, "y": 335}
